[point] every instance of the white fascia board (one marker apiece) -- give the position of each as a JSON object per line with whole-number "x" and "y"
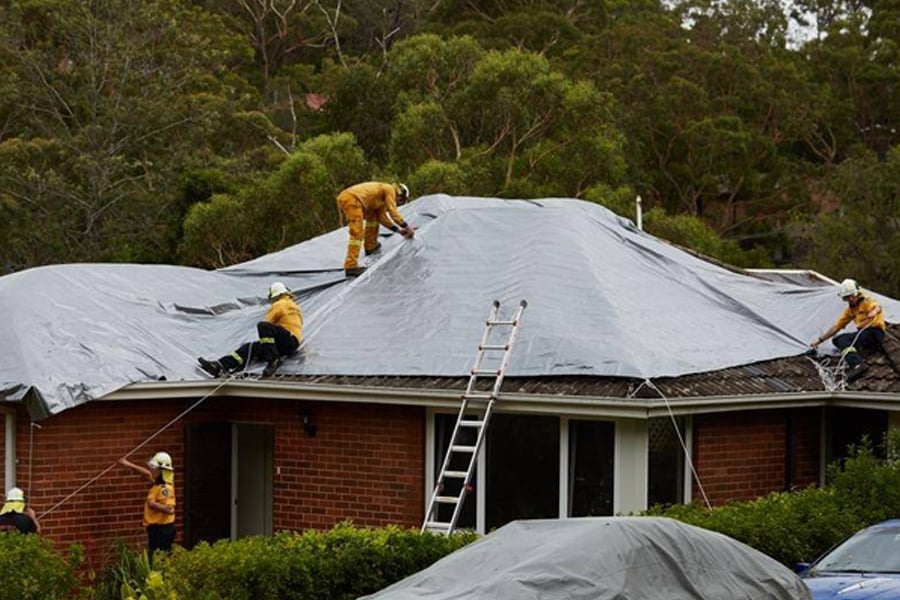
{"x": 635, "y": 408}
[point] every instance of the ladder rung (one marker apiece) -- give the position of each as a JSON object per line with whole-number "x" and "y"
{"x": 493, "y": 347}
{"x": 446, "y": 499}
{"x": 494, "y": 372}
{"x": 437, "y": 525}
{"x": 492, "y": 323}
{"x": 471, "y": 423}
{"x": 462, "y": 449}
{"x": 478, "y": 396}
{"x": 456, "y": 474}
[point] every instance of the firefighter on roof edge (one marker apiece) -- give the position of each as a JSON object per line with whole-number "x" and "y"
{"x": 372, "y": 203}
{"x": 279, "y": 336}
{"x": 869, "y": 318}
{"x": 159, "y": 508}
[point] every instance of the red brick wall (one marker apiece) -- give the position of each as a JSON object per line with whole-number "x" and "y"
{"x": 741, "y": 455}
{"x": 365, "y": 463}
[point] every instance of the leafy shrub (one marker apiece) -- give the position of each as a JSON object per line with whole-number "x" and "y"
{"x": 866, "y": 485}
{"x": 31, "y": 569}
{"x": 343, "y": 563}
{"x": 798, "y": 526}
{"x": 128, "y": 569}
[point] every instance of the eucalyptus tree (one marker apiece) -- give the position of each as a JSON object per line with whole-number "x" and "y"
{"x": 713, "y": 106}
{"x": 857, "y": 56}
{"x": 293, "y": 203}
{"x": 112, "y": 100}
{"x": 514, "y": 125}
{"x": 548, "y": 27}
{"x": 860, "y": 237}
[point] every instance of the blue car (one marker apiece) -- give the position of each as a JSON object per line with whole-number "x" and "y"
{"x": 866, "y": 566}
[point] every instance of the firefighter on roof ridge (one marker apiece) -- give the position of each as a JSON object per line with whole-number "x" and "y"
{"x": 372, "y": 203}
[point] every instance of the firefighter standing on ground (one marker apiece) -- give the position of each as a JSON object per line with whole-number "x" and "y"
{"x": 16, "y": 515}
{"x": 159, "y": 508}
{"x": 869, "y": 318}
{"x": 372, "y": 203}
{"x": 279, "y": 336}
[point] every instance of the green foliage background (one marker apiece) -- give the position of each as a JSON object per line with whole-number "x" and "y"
{"x": 208, "y": 132}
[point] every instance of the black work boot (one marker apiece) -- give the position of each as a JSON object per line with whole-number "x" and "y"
{"x": 213, "y": 367}
{"x": 354, "y": 271}
{"x": 374, "y": 250}
{"x": 856, "y": 371}
{"x": 272, "y": 366}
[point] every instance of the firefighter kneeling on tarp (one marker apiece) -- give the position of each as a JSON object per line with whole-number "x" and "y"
{"x": 865, "y": 311}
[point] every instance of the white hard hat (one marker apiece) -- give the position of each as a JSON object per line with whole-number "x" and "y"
{"x": 849, "y": 287}
{"x": 403, "y": 190}
{"x": 161, "y": 460}
{"x": 15, "y": 495}
{"x": 277, "y": 289}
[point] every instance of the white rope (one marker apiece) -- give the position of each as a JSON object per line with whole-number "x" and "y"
{"x": 834, "y": 378}
{"x": 135, "y": 449}
{"x": 31, "y": 454}
{"x": 684, "y": 448}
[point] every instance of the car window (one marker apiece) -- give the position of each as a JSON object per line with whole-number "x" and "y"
{"x": 875, "y": 550}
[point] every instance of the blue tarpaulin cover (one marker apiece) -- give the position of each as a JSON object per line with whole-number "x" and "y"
{"x": 604, "y": 298}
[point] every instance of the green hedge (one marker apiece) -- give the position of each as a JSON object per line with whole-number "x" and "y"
{"x": 798, "y": 526}
{"x": 347, "y": 562}
{"x": 343, "y": 563}
{"x": 31, "y": 569}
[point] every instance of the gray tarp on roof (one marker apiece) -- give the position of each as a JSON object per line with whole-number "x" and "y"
{"x": 601, "y": 559}
{"x": 604, "y": 299}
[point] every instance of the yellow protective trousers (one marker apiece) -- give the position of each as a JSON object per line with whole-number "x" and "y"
{"x": 362, "y": 224}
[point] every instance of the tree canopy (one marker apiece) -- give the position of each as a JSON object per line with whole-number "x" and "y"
{"x": 208, "y": 132}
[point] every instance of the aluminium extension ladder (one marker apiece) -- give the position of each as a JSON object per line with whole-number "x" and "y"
{"x": 454, "y": 479}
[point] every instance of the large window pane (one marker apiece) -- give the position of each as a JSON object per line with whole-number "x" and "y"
{"x": 522, "y": 469}
{"x": 591, "y": 452}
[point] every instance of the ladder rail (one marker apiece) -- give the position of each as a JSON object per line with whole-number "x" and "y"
{"x": 438, "y": 495}
{"x": 504, "y": 362}
{"x": 457, "y": 510}
{"x": 485, "y": 338}
{"x": 445, "y": 464}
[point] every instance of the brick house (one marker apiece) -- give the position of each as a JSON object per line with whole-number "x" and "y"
{"x": 309, "y": 449}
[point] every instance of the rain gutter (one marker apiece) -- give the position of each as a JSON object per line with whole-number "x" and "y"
{"x": 598, "y": 406}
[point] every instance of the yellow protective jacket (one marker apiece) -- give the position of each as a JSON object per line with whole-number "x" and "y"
{"x": 859, "y": 314}
{"x": 163, "y": 493}
{"x": 284, "y": 312}
{"x": 379, "y": 198}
